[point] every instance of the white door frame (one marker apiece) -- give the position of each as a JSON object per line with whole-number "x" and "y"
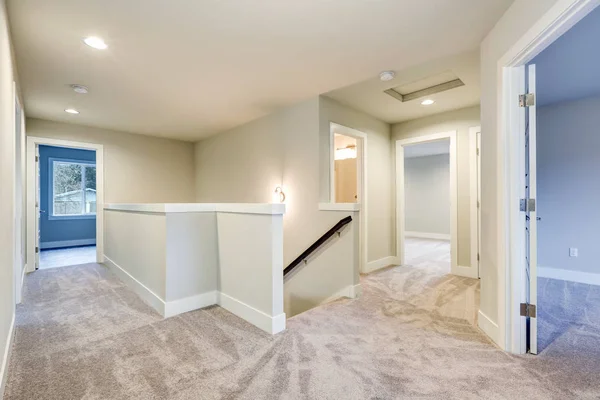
{"x": 511, "y": 228}
{"x": 401, "y": 206}
{"x": 362, "y": 173}
{"x": 32, "y": 144}
{"x": 475, "y": 193}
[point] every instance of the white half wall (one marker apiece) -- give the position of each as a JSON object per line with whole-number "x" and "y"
{"x": 251, "y": 268}
{"x": 182, "y": 257}
{"x": 136, "y": 242}
{"x": 192, "y": 255}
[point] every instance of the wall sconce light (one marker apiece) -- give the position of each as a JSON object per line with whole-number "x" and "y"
{"x": 280, "y": 194}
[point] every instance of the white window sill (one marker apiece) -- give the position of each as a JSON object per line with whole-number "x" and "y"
{"x": 71, "y": 217}
{"x": 339, "y": 206}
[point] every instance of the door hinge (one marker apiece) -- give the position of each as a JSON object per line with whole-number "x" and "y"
{"x": 37, "y": 249}
{"x": 527, "y": 205}
{"x": 478, "y": 257}
{"x": 477, "y": 151}
{"x": 37, "y": 159}
{"x": 528, "y": 310}
{"x": 527, "y": 100}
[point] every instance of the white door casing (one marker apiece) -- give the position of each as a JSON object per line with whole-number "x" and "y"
{"x": 475, "y": 194}
{"x": 400, "y": 200}
{"x": 33, "y": 194}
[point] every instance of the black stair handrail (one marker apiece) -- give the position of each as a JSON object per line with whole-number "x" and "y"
{"x": 343, "y": 222}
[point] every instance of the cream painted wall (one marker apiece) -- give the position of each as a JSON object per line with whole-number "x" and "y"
{"x": 380, "y": 210}
{"x": 138, "y": 169}
{"x": 460, "y": 121}
{"x": 291, "y": 148}
{"x": 520, "y": 17}
{"x": 7, "y": 195}
{"x": 245, "y": 164}
{"x": 280, "y": 149}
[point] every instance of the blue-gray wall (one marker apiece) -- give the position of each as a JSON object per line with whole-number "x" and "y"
{"x": 568, "y": 184}
{"x": 427, "y": 194}
{"x": 60, "y": 230}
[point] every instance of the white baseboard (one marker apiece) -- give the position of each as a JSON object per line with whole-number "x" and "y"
{"x": 350, "y": 292}
{"x": 20, "y": 291}
{"x": 67, "y": 243}
{"x": 355, "y": 291}
{"x": 489, "y": 327}
{"x": 191, "y": 303}
{"x": 6, "y": 358}
{"x": 568, "y": 275}
{"x": 467, "y": 272}
{"x": 256, "y": 317}
{"x": 381, "y": 263}
{"x": 427, "y": 235}
{"x": 138, "y": 287}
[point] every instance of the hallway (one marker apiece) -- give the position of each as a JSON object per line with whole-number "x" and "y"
{"x": 82, "y": 334}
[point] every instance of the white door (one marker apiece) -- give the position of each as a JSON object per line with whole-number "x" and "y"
{"x": 531, "y": 215}
{"x": 37, "y": 207}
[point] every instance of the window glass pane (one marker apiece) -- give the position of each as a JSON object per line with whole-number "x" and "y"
{"x": 68, "y": 196}
{"x": 90, "y": 189}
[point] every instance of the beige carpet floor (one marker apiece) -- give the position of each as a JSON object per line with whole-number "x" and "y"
{"x": 81, "y": 334}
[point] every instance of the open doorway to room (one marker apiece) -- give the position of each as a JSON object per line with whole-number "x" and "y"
{"x": 565, "y": 148}
{"x": 426, "y": 201}
{"x": 64, "y": 198}
{"x": 427, "y": 204}
{"x": 67, "y": 220}
{"x": 553, "y": 296}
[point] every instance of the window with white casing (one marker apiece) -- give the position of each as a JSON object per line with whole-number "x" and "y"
{"x": 72, "y": 189}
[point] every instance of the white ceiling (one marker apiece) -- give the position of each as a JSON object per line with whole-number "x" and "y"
{"x": 569, "y": 69}
{"x": 427, "y": 149}
{"x": 369, "y": 96}
{"x": 188, "y": 69}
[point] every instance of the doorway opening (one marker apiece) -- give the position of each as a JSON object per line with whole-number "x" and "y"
{"x": 426, "y": 202}
{"x": 65, "y": 204}
{"x": 550, "y": 102}
{"x": 348, "y": 172}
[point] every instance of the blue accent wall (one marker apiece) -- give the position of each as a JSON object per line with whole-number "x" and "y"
{"x": 59, "y": 230}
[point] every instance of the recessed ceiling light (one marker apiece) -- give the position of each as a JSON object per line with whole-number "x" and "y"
{"x": 72, "y": 111}
{"x": 387, "y": 76}
{"x": 80, "y": 89}
{"x": 427, "y": 102}
{"x": 95, "y": 42}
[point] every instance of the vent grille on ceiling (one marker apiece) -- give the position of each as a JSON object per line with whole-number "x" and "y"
{"x": 426, "y": 87}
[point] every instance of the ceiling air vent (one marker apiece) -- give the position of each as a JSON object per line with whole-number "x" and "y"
{"x": 425, "y": 87}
